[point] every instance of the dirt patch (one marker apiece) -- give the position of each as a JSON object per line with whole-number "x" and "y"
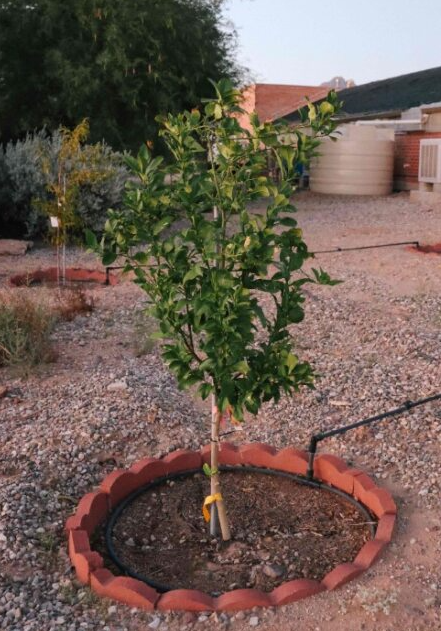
{"x": 281, "y": 531}
{"x": 435, "y": 248}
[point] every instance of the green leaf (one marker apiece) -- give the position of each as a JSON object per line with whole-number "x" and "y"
{"x": 158, "y": 335}
{"x": 193, "y": 273}
{"x": 242, "y": 367}
{"x": 161, "y": 224}
{"x": 109, "y": 257}
{"x": 288, "y": 221}
{"x": 291, "y": 362}
{"x": 141, "y": 257}
{"x": 91, "y": 240}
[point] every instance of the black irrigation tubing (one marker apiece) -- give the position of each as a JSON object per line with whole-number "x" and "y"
{"x": 333, "y": 251}
{"x": 316, "y": 438}
{"x": 128, "y": 571}
{"x": 368, "y": 247}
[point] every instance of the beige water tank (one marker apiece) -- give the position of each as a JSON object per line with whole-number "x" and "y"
{"x": 361, "y": 162}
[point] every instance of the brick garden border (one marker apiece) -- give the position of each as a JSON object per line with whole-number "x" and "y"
{"x": 94, "y": 508}
{"x": 73, "y": 274}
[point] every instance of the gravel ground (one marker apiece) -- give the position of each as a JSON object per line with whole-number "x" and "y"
{"x": 375, "y": 339}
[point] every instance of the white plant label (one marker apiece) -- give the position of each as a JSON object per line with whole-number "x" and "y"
{"x": 54, "y": 222}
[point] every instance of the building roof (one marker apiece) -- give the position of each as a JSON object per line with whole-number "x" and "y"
{"x": 271, "y": 101}
{"x": 388, "y": 96}
{"x": 274, "y": 101}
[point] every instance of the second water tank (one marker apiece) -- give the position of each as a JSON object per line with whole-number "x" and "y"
{"x": 360, "y": 162}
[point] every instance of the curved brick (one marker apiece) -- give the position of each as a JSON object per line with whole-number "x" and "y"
{"x": 82, "y": 558}
{"x": 362, "y": 485}
{"x": 229, "y": 454}
{"x": 185, "y": 599}
{"x": 295, "y": 590}
{"x": 257, "y": 454}
{"x": 123, "y": 589}
{"x": 91, "y": 512}
{"x": 380, "y": 502}
{"x": 242, "y": 599}
{"x": 329, "y": 468}
{"x": 182, "y": 460}
{"x": 85, "y": 563}
{"x": 341, "y": 574}
{"x": 78, "y": 542}
{"x": 118, "y": 485}
{"x": 345, "y": 482}
{"x": 385, "y": 528}
{"x": 98, "y": 580}
{"x": 72, "y": 523}
{"x": 206, "y": 454}
{"x": 369, "y": 553}
{"x": 147, "y": 470}
{"x": 291, "y": 460}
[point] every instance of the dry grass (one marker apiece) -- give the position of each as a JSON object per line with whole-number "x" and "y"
{"x": 27, "y": 318}
{"x": 25, "y": 328}
{"x": 71, "y": 302}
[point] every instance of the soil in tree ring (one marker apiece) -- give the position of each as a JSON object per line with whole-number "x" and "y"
{"x": 281, "y": 531}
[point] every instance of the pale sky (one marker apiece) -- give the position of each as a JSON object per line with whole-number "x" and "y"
{"x": 306, "y": 43}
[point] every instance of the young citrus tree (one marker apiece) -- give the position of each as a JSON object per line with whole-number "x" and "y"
{"x": 75, "y": 164}
{"x": 205, "y": 258}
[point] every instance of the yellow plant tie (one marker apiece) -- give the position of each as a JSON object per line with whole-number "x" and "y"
{"x": 207, "y": 501}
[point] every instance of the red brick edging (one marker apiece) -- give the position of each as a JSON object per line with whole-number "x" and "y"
{"x": 94, "y": 508}
{"x": 73, "y": 274}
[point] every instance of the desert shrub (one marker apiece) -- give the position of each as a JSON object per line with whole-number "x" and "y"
{"x": 21, "y": 181}
{"x": 25, "y": 328}
{"x": 28, "y": 164}
{"x": 95, "y": 198}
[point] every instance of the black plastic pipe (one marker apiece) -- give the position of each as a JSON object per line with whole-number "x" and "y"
{"x": 368, "y": 247}
{"x": 316, "y": 438}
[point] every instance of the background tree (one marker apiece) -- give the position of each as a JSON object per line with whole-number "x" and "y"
{"x": 117, "y": 63}
{"x": 204, "y": 274}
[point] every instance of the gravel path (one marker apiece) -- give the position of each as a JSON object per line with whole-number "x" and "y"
{"x": 375, "y": 339}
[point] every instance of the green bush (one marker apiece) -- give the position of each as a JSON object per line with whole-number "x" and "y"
{"x": 23, "y": 181}
{"x": 94, "y": 199}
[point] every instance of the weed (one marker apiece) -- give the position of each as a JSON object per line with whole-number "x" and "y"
{"x": 25, "y": 327}
{"x": 48, "y": 541}
{"x": 375, "y": 600}
{"x": 71, "y": 302}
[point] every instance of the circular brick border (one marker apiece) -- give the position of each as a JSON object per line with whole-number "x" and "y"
{"x": 73, "y": 274}
{"x": 94, "y": 508}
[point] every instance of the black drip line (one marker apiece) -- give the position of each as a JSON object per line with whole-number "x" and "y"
{"x": 316, "y": 438}
{"x": 368, "y": 247}
{"x": 336, "y": 250}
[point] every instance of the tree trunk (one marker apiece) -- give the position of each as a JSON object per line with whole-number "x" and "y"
{"x": 218, "y": 511}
